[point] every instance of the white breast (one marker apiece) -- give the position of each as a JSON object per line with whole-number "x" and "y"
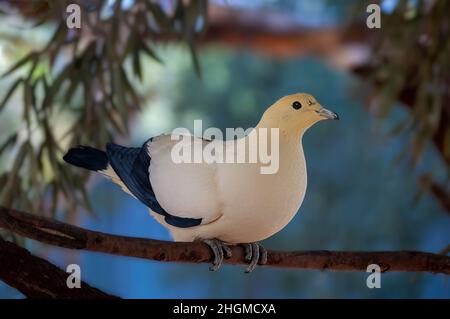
{"x": 256, "y": 206}
{"x": 236, "y": 202}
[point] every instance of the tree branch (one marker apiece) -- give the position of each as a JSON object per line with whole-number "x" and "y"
{"x": 37, "y": 278}
{"x": 276, "y": 34}
{"x": 60, "y": 234}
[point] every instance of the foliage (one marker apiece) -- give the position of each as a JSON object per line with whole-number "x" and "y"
{"x": 93, "y": 89}
{"x": 412, "y": 64}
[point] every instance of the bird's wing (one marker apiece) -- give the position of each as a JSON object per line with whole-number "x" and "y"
{"x": 187, "y": 190}
{"x": 132, "y": 166}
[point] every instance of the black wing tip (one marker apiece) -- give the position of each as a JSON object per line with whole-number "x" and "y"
{"x": 87, "y": 157}
{"x": 182, "y": 222}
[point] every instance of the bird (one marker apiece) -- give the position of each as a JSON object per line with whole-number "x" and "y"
{"x": 219, "y": 203}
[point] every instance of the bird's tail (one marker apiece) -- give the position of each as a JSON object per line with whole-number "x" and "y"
{"x": 95, "y": 160}
{"x": 87, "y": 157}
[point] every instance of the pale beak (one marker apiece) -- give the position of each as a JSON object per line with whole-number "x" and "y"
{"x": 327, "y": 114}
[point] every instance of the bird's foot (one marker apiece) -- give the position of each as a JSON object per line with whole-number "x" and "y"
{"x": 255, "y": 254}
{"x": 220, "y": 250}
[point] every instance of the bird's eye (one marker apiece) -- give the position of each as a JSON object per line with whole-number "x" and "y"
{"x": 297, "y": 105}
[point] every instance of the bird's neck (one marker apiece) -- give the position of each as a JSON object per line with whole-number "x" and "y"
{"x": 288, "y": 137}
{"x": 288, "y": 145}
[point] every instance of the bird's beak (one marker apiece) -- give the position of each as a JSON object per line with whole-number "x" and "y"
{"x": 327, "y": 114}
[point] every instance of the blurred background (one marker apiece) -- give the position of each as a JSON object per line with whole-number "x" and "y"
{"x": 378, "y": 179}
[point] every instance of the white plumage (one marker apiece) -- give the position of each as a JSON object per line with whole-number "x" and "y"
{"x": 236, "y": 202}
{"x": 220, "y": 203}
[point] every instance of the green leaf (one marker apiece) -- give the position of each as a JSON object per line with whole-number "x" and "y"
{"x": 33, "y": 67}
{"x": 178, "y": 12}
{"x": 28, "y": 102}
{"x": 71, "y": 90}
{"x": 190, "y": 16}
{"x": 10, "y": 141}
{"x": 129, "y": 88}
{"x": 162, "y": 20}
{"x": 57, "y": 38}
{"x": 117, "y": 121}
{"x": 137, "y": 68}
{"x": 87, "y": 87}
{"x": 27, "y": 58}
{"x": 195, "y": 60}
{"x": 9, "y": 93}
{"x": 13, "y": 176}
{"x": 56, "y": 84}
{"x": 203, "y": 13}
{"x": 149, "y": 51}
{"x": 130, "y": 45}
{"x": 117, "y": 87}
{"x": 32, "y": 166}
{"x": 54, "y": 202}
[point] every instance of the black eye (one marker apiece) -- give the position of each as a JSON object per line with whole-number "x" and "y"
{"x": 297, "y": 105}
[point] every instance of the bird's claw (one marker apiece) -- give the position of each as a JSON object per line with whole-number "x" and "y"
{"x": 255, "y": 254}
{"x": 220, "y": 250}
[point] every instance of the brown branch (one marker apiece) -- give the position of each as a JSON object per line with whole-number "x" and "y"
{"x": 37, "y": 278}
{"x": 60, "y": 234}
{"x": 276, "y": 34}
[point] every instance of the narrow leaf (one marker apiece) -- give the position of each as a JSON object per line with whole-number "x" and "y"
{"x": 29, "y": 57}
{"x": 149, "y": 51}
{"x": 9, "y": 93}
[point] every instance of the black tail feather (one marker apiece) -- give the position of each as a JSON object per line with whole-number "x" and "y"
{"x": 87, "y": 157}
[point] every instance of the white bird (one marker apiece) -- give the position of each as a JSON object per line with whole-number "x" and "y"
{"x": 218, "y": 203}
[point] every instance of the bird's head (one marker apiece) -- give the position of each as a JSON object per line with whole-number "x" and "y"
{"x": 295, "y": 113}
